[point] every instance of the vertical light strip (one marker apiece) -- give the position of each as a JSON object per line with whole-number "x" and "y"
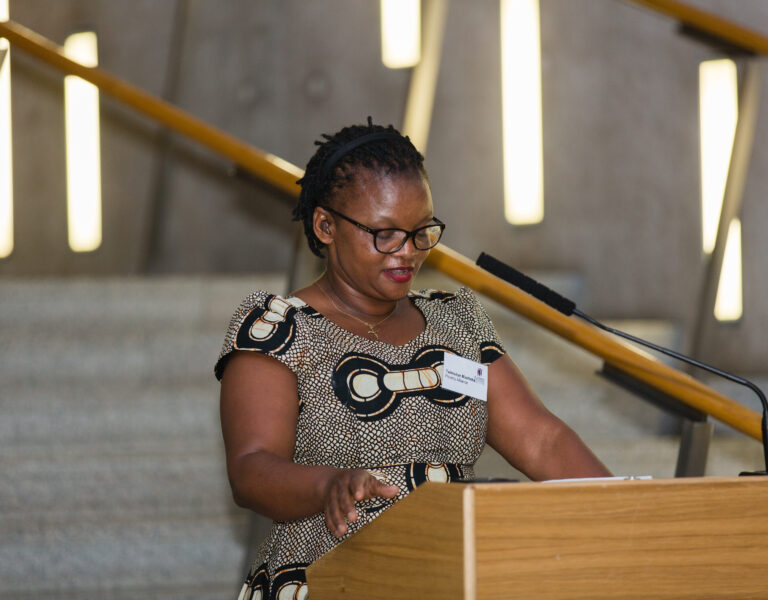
{"x": 400, "y": 33}
{"x": 421, "y": 91}
{"x": 718, "y": 112}
{"x": 81, "y": 105}
{"x": 521, "y": 112}
{"x": 729, "y": 303}
{"x": 6, "y": 149}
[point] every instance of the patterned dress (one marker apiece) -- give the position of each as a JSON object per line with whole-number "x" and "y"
{"x": 364, "y": 404}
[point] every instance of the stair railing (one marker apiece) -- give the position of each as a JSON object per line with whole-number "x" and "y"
{"x": 710, "y": 24}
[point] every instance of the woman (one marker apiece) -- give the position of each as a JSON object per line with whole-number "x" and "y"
{"x": 332, "y": 404}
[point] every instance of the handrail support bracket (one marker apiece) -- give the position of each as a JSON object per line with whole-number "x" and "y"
{"x": 696, "y": 433}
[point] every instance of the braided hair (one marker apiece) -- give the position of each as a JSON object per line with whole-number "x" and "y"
{"x": 340, "y": 156}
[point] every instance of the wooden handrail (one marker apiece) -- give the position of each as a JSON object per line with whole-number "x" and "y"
{"x": 283, "y": 175}
{"x": 653, "y": 372}
{"x": 276, "y": 171}
{"x": 709, "y": 23}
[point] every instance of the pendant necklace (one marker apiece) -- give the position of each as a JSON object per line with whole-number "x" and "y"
{"x": 371, "y": 326}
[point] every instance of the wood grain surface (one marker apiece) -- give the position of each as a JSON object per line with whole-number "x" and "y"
{"x": 671, "y": 538}
{"x": 413, "y": 550}
{"x": 674, "y": 538}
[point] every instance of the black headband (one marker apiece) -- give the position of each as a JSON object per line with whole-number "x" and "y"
{"x": 330, "y": 164}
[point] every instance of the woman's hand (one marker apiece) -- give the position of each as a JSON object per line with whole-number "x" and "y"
{"x": 259, "y": 411}
{"x": 344, "y": 488}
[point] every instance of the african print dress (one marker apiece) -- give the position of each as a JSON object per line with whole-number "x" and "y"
{"x": 364, "y": 404}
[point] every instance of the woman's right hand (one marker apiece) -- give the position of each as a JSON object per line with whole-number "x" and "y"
{"x": 259, "y": 412}
{"x": 344, "y": 488}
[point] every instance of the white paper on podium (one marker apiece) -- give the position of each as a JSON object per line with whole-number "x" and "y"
{"x": 618, "y": 478}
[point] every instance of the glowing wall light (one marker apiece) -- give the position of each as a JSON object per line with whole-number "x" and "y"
{"x": 81, "y": 105}
{"x": 521, "y": 112}
{"x": 718, "y": 114}
{"x": 400, "y": 33}
{"x": 728, "y": 305}
{"x": 6, "y": 151}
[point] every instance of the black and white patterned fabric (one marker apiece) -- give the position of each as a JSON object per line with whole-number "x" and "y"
{"x": 364, "y": 404}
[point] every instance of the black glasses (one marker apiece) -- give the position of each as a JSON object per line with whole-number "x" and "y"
{"x": 390, "y": 240}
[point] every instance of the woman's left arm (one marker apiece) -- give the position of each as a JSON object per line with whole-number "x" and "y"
{"x": 527, "y": 435}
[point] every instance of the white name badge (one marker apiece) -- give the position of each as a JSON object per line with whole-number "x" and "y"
{"x": 465, "y": 376}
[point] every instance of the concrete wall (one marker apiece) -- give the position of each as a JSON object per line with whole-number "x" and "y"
{"x": 620, "y": 126}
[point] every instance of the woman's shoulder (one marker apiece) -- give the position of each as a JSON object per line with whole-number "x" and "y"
{"x": 460, "y": 307}
{"x": 461, "y": 310}
{"x": 263, "y": 311}
{"x": 461, "y": 298}
{"x": 276, "y": 307}
{"x": 265, "y": 322}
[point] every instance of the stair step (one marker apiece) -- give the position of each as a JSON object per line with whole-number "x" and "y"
{"x": 111, "y": 479}
{"x": 50, "y": 413}
{"x": 194, "y": 589}
{"x": 109, "y": 555}
{"x": 126, "y": 301}
{"x": 139, "y": 355}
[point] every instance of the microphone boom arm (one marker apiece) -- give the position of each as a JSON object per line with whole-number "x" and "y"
{"x": 568, "y": 307}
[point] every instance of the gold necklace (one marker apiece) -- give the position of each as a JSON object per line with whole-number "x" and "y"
{"x": 371, "y": 326}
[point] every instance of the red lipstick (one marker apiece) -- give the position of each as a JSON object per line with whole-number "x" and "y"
{"x": 399, "y": 274}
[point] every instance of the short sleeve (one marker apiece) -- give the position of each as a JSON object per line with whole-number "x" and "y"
{"x": 265, "y": 323}
{"x": 475, "y": 319}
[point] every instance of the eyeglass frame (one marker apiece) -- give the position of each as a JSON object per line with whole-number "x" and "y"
{"x": 408, "y": 234}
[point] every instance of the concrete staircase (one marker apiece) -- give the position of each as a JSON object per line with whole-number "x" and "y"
{"x": 113, "y": 482}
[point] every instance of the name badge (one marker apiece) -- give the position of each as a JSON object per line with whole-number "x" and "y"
{"x": 465, "y": 376}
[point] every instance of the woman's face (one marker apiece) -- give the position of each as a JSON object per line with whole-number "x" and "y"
{"x": 377, "y": 201}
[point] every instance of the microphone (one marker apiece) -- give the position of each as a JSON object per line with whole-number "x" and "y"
{"x": 568, "y": 308}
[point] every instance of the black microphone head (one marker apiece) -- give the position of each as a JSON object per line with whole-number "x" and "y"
{"x": 525, "y": 283}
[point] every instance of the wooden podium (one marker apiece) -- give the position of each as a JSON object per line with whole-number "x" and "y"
{"x": 667, "y": 538}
